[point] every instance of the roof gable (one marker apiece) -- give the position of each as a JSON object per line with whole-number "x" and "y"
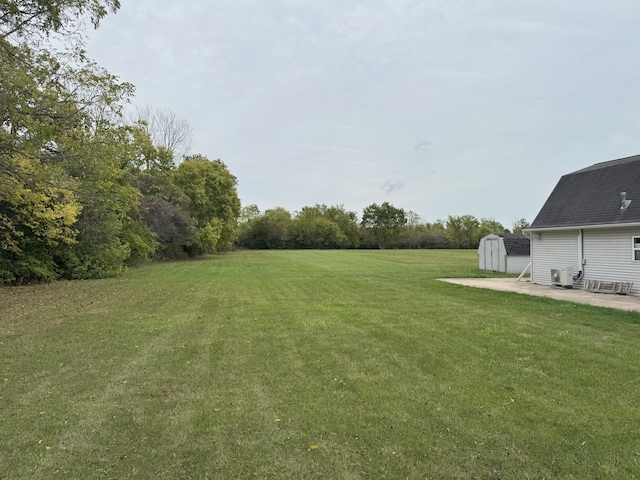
{"x": 591, "y": 196}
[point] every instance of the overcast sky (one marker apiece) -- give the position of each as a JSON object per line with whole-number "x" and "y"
{"x": 441, "y": 107}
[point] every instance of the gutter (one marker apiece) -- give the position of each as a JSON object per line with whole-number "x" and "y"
{"x": 581, "y": 227}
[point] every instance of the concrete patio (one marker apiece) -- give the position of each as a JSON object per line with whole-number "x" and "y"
{"x": 622, "y": 302}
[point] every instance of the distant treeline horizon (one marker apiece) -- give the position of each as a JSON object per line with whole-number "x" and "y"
{"x": 381, "y": 226}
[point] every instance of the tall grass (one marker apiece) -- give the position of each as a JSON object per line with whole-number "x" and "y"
{"x": 313, "y": 364}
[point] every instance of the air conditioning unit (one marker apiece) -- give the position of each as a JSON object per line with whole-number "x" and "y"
{"x": 562, "y": 276}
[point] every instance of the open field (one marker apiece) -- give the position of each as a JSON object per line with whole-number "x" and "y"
{"x": 314, "y": 364}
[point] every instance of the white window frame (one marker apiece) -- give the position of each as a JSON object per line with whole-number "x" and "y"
{"x": 635, "y": 248}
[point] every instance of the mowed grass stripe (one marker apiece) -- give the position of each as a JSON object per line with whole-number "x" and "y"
{"x": 313, "y": 364}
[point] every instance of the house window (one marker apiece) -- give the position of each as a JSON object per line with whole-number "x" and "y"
{"x": 636, "y": 248}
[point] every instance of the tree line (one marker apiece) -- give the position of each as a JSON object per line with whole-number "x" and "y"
{"x": 380, "y": 226}
{"x": 84, "y": 192}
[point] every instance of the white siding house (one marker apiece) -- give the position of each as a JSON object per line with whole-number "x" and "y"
{"x": 552, "y": 249}
{"x": 503, "y": 253}
{"x": 591, "y": 223}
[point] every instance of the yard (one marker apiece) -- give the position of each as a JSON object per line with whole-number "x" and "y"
{"x": 313, "y": 364}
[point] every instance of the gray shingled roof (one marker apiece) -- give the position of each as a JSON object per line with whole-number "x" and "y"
{"x": 516, "y": 243}
{"x": 591, "y": 196}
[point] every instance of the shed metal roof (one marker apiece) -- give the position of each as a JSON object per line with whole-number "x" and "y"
{"x": 591, "y": 196}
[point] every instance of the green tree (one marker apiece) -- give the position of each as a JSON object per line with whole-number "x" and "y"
{"x": 271, "y": 230}
{"x": 27, "y": 18}
{"x": 488, "y": 226}
{"x": 76, "y": 213}
{"x": 520, "y": 225}
{"x": 37, "y": 205}
{"x": 214, "y": 205}
{"x": 248, "y": 213}
{"x": 111, "y": 230}
{"x": 312, "y": 229}
{"x": 436, "y": 236}
{"x": 413, "y": 230}
{"x": 384, "y": 223}
{"x": 165, "y": 210}
{"x": 143, "y": 155}
{"x": 347, "y": 221}
{"x": 37, "y": 222}
{"x": 463, "y": 231}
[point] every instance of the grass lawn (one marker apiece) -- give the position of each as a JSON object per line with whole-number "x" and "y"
{"x": 313, "y": 364}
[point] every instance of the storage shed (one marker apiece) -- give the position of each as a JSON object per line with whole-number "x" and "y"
{"x": 506, "y": 253}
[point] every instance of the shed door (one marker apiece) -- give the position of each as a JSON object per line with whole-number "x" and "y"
{"x": 492, "y": 254}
